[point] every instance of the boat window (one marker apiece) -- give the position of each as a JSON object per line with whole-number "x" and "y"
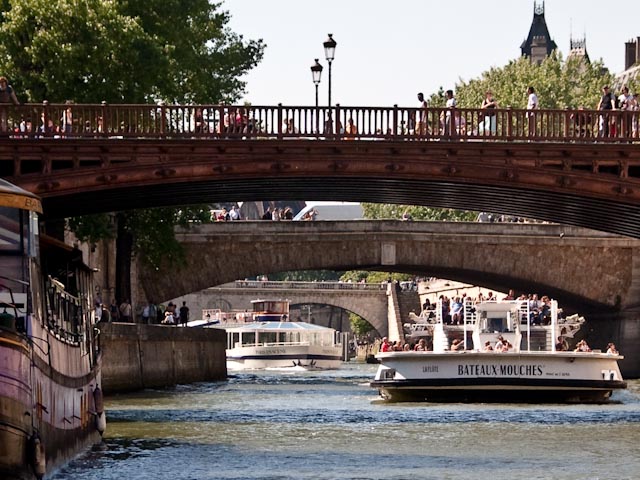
{"x": 268, "y": 337}
{"x": 233, "y": 339}
{"x": 249, "y": 338}
{"x": 258, "y": 307}
{"x": 11, "y": 225}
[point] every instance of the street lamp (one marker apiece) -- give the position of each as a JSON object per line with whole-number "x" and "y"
{"x": 316, "y": 73}
{"x": 329, "y": 53}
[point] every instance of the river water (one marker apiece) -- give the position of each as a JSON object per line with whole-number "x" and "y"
{"x": 330, "y": 425}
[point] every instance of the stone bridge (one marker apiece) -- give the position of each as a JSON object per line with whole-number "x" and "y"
{"x": 583, "y": 269}
{"x": 369, "y": 301}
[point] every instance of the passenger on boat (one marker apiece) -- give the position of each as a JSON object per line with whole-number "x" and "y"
{"x": 611, "y": 349}
{"x": 421, "y": 346}
{"x": 499, "y": 346}
{"x": 562, "y": 345}
{"x": 457, "y": 345}
{"x": 507, "y": 347}
{"x": 488, "y": 347}
{"x": 582, "y": 346}
{"x": 386, "y": 346}
{"x": 407, "y": 347}
{"x": 456, "y": 311}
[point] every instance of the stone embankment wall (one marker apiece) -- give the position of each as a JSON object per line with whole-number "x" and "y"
{"x": 144, "y": 356}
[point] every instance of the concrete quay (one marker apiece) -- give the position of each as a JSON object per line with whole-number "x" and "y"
{"x": 139, "y": 356}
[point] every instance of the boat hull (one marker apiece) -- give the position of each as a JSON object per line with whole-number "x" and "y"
{"x": 48, "y": 395}
{"x": 306, "y": 356}
{"x": 565, "y": 377}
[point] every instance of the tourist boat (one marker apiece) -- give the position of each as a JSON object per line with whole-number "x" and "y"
{"x": 533, "y": 370}
{"x": 271, "y": 340}
{"x": 51, "y": 404}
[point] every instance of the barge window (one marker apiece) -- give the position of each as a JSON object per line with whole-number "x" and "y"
{"x": 268, "y": 337}
{"x": 249, "y": 338}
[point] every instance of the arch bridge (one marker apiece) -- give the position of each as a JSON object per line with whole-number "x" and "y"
{"x": 583, "y": 269}
{"x": 553, "y": 165}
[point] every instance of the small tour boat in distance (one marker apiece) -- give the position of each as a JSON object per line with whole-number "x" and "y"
{"x": 532, "y": 370}
{"x": 271, "y": 340}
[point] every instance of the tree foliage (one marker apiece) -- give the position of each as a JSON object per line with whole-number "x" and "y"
{"x": 123, "y": 51}
{"x": 382, "y": 211}
{"x": 359, "y": 325}
{"x": 558, "y": 83}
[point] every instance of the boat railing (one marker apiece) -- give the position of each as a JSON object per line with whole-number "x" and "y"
{"x": 266, "y": 284}
{"x": 64, "y": 313}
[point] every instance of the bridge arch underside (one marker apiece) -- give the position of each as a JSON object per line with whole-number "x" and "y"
{"x": 583, "y": 274}
{"x": 363, "y": 308}
{"x": 590, "y": 185}
{"x": 598, "y": 214}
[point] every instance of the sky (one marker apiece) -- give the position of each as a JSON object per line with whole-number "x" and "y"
{"x": 388, "y": 50}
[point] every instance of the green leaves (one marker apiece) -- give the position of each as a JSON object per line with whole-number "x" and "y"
{"x": 123, "y": 51}
{"x": 558, "y": 83}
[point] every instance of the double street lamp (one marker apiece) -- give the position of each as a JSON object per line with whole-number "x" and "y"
{"x": 316, "y": 73}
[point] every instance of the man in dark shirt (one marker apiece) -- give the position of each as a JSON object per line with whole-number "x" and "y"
{"x": 184, "y": 314}
{"x": 607, "y": 102}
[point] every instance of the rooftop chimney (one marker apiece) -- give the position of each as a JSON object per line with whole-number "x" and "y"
{"x": 630, "y": 53}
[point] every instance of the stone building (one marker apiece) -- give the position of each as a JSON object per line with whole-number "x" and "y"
{"x": 631, "y": 74}
{"x": 538, "y": 44}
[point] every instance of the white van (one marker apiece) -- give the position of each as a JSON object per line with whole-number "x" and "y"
{"x": 331, "y": 211}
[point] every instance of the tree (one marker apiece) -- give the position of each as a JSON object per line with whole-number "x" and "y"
{"x": 558, "y": 83}
{"x": 359, "y": 326}
{"x": 125, "y": 51}
{"x": 381, "y": 211}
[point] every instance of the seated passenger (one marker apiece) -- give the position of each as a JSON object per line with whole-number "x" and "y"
{"x": 582, "y": 346}
{"x": 611, "y": 349}
{"x": 488, "y": 347}
{"x": 457, "y": 345}
{"x": 386, "y": 346}
{"x": 499, "y": 344}
{"x": 421, "y": 346}
{"x": 562, "y": 345}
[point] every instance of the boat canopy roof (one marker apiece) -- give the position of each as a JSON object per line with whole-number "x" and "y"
{"x": 16, "y": 197}
{"x": 279, "y": 326}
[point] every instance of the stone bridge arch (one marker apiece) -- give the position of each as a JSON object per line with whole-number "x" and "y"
{"x": 580, "y": 267}
{"x": 370, "y": 304}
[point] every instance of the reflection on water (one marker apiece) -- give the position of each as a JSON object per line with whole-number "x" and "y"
{"x": 330, "y": 425}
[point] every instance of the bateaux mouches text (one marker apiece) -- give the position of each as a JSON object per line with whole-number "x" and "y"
{"x": 489, "y": 370}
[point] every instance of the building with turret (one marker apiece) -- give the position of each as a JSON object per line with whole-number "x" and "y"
{"x": 539, "y": 43}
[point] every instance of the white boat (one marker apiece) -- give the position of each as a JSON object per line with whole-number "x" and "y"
{"x": 271, "y": 340}
{"x": 533, "y": 370}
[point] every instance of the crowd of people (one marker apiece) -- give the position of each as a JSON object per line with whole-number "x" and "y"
{"x": 150, "y": 314}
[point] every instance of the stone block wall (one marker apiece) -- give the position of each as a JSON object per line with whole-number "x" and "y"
{"x": 136, "y": 356}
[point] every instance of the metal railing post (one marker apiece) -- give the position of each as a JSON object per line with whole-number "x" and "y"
{"x": 45, "y": 119}
{"x": 280, "y": 121}
{"x": 396, "y": 119}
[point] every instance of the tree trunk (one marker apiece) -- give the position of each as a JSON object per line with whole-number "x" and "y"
{"x": 124, "y": 251}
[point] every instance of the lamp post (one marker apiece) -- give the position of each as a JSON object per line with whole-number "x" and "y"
{"x": 329, "y": 53}
{"x": 316, "y": 73}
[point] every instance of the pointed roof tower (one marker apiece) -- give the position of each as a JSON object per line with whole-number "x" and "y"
{"x": 578, "y": 49}
{"x": 538, "y": 44}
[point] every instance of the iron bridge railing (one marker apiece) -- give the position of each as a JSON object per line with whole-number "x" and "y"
{"x": 151, "y": 121}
